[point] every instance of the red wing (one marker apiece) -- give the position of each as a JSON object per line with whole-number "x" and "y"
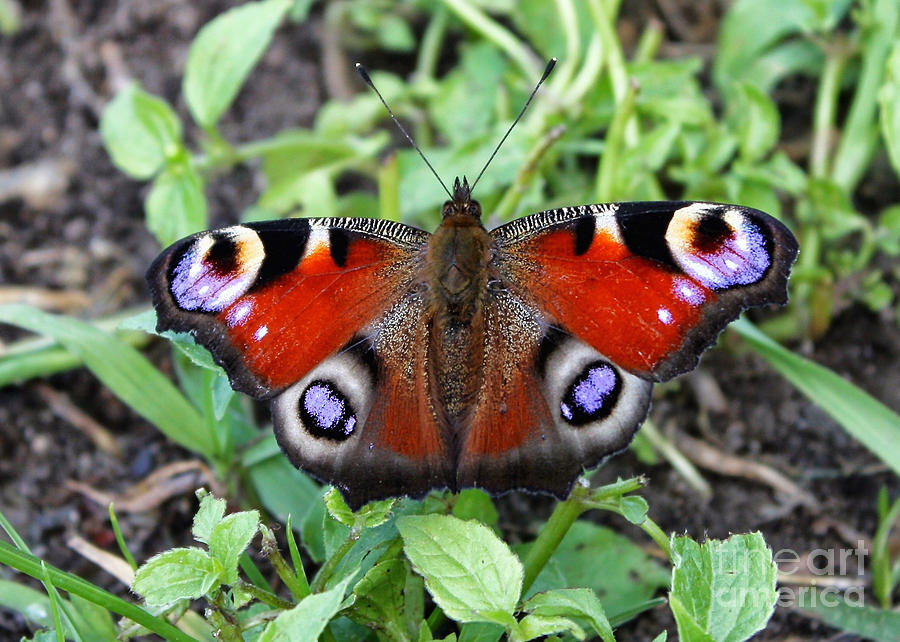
{"x": 271, "y": 300}
{"x": 649, "y": 285}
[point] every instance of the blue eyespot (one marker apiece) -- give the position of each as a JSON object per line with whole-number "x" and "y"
{"x": 326, "y": 412}
{"x": 592, "y": 395}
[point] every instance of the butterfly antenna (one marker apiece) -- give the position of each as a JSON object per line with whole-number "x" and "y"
{"x": 368, "y": 80}
{"x": 550, "y": 64}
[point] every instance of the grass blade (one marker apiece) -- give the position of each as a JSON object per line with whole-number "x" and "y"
{"x": 861, "y": 415}
{"x": 123, "y": 370}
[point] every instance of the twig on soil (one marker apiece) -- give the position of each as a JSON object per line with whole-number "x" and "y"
{"x": 41, "y": 184}
{"x": 112, "y": 564}
{"x": 677, "y": 459}
{"x": 63, "y": 407}
{"x": 52, "y": 300}
{"x": 178, "y": 478}
{"x": 718, "y": 461}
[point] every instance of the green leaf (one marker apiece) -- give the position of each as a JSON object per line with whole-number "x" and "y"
{"x": 875, "y": 425}
{"x": 749, "y": 30}
{"x": 576, "y": 603}
{"x": 208, "y": 516}
{"x": 858, "y": 619}
{"x": 32, "y": 604}
{"x": 176, "y": 204}
{"x": 889, "y": 102}
{"x": 306, "y": 621}
{"x": 474, "y": 503}
{"x": 464, "y": 105}
{"x": 92, "y": 621}
{"x": 229, "y": 538}
{"x": 140, "y": 132}
{"x": 722, "y": 590}
{"x": 534, "y": 626}
{"x": 369, "y": 516}
{"x": 471, "y": 574}
{"x": 224, "y": 52}
{"x": 634, "y": 509}
{"x": 756, "y": 119}
{"x": 122, "y": 369}
{"x": 629, "y": 579}
{"x": 379, "y": 595}
{"x": 283, "y": 489}
{"x": 180, "y": 573}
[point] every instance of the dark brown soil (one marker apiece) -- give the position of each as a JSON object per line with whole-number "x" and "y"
{"x": 85, "y": 234}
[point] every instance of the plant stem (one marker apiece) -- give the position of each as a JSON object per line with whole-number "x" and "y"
{"x": 430, "y": 47}
{"x": 615, "y": 144}
{"x": 825, "y": 110}
{"x": 564, "y": 515}
{"x": 496, "y": 33}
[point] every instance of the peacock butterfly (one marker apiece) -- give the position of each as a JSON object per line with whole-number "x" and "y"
{"x": 398, "y": 361}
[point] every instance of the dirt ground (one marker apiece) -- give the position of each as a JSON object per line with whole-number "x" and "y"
{"x": 74, "y": 239}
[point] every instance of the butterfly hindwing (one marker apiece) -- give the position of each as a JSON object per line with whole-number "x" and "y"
{"x": 271, "y": 300}
{"x": 363, "y": 419}
{"x": 549, "y": 405}
{"x": 648, "y": 285}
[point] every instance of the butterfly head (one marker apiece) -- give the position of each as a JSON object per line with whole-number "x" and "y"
{"x": 462, "y": 204}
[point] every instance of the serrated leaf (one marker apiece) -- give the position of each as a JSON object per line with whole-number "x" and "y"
{"x": 176, "y": 204}
{"x": 471, "y": 574}
{"x": 576, "y": 602}
{"x": 224, "y": 52}
{"x": 722, "y": 590}
{"x": 208, "y": 516}
{"x": 140, "y": 131}
{"x": 177, "y": 574}
{"x": 306, "y": 621}
{"x": 122, "y": 369}
{"x": 229, "y": 538}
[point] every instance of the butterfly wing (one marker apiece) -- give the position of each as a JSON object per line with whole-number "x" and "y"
{"x": 271, "y": 300}
{"x": 364, "y": 419}
{"x": 595, "y": 303}
{"x": 648, "y": 285}
{"x": 549, "y": 405}
{"x": 323, "y": 317}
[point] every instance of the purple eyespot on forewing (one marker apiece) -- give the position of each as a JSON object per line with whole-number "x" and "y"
{"x": 741, "y": 258}
{"x": 211, "y": 282}
{"x": 592, "y": 394}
